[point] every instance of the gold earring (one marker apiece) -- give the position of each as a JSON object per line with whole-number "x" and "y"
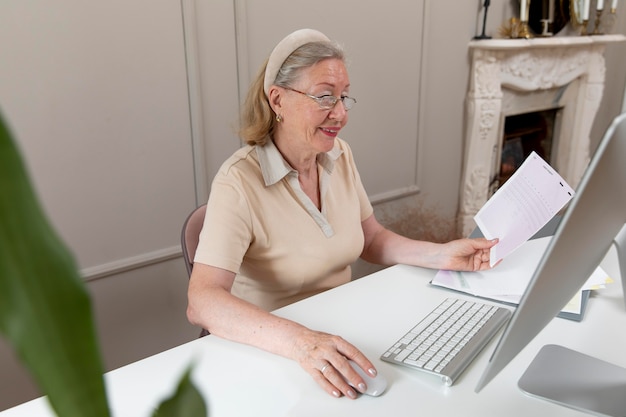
{"x": 279, "y": 118}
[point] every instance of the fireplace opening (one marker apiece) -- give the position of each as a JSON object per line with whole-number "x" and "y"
{"x": 524, "y": 133}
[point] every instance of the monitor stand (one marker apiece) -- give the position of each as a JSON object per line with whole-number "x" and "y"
{"x": 575, "y": 380}
{"x": 578, "y": 381}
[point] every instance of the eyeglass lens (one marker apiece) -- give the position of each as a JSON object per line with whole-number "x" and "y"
{"x": 328, "y": 102}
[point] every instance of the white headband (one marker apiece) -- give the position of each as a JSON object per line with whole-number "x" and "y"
{"x": 285, "y": 48}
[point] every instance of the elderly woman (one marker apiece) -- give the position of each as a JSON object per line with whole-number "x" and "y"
{"x": 288, "y": 215}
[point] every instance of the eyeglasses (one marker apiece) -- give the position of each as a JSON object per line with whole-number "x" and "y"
{"x": 328, "y": 102}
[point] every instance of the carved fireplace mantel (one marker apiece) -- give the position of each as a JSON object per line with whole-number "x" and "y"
{"x": 515, "y": 76}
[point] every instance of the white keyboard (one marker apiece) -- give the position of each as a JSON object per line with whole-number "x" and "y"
{"x": 446, "y": 341}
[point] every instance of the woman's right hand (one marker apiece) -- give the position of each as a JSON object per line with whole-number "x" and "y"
{"x": 325, "y": 358}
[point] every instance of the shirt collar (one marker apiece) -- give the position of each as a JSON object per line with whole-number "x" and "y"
{"x": 274, "y": 167}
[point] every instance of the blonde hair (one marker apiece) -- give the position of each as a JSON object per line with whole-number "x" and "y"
{"x": 258, "y": 120}
{"x": 257, "y": 117}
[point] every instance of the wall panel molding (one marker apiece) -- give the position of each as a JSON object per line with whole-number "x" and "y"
{"x": 128, "y": 264}
{"x": 194, "y": 89}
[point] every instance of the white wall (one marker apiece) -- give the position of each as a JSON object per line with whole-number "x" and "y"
{"x": 97, "y": 95}
{"x": 615, "y": 84}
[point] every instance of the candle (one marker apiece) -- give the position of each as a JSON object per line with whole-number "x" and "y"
{"x": 522, "y": 12}
{"x": 614, "y": 5}
{"x": 600, "y": 5}
{"x": 585, "y": 10}
{"x": 551, "y": 11}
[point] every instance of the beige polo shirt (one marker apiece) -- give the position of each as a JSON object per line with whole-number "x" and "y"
{"x": 262, "y": 226}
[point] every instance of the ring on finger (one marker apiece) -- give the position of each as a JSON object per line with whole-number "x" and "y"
{"x": 324, "y": 368}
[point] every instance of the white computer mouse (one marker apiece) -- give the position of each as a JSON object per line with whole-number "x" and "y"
{"x": 375, "y": 385}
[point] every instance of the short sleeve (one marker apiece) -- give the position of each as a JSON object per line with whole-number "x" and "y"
{"x": 226, "y": 232}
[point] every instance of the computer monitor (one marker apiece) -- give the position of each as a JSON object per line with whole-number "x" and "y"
{"x": 594, "y": 220}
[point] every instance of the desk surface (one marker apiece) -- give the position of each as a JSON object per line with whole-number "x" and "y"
{"x": 371, "y": 312}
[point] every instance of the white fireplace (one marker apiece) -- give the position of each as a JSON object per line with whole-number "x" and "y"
{"x": 517, "y": 76}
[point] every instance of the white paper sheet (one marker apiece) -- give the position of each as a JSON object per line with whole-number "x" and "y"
{"x": 522, "y": 206}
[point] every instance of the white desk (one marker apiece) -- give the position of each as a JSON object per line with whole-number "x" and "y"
{"x": 238, "y": 380}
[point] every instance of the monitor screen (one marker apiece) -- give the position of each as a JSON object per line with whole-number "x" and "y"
{"x": 591, "y": 223}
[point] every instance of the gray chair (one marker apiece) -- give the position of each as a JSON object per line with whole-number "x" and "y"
{"x": 189, "y": 237}
{"x": 191, "y": 234}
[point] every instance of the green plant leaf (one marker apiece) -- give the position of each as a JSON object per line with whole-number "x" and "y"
{"x": 45, "y": 310}
{"x": 186, "y": 401}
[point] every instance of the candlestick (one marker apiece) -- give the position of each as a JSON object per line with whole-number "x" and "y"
{"x": 482, "y": 35}
{"x": 596, "y": 28}
{"x": 583, "y": 28}
{"x": 545, "y": 25}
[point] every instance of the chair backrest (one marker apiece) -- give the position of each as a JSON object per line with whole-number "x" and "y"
{"x": 189, "y": 237}
{"x": 191, "y": 234}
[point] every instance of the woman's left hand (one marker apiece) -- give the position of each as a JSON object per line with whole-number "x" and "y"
{"x": 468, "y": 254}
